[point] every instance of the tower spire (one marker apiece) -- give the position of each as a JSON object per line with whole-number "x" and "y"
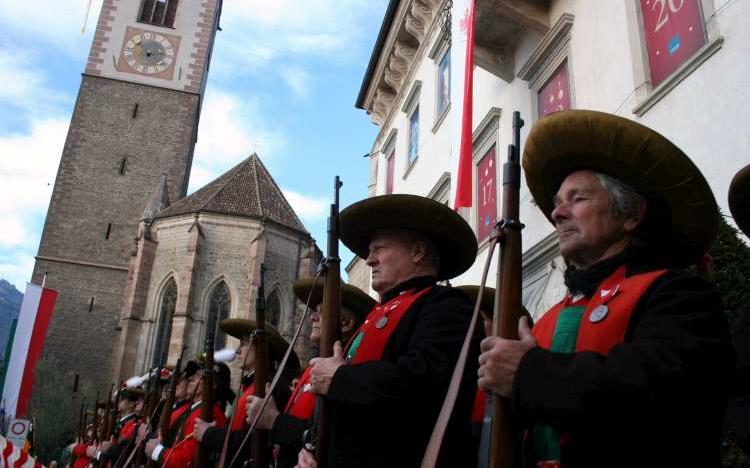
{"x": 159, "y": 200}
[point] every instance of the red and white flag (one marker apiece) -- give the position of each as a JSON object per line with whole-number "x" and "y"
{"x": 28, "y": 342}
{"x": 12, "y": 456}
{"x": 462, "y": 75}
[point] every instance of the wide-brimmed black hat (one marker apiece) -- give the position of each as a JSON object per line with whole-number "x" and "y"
{"x": 132, "y": 393}
{"x": 277, "y": 344}
{"x": 739, "y": 199}
{"x": 450, "y": 233}
{"x": 488, "y": 300}
{"x": 682, "y": 215}
{"x": 222, "y": 374}
{"x": 353, "y": 298}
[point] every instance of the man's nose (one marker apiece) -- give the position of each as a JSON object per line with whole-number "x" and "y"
{"x": 370, "y": 260}
{"x": 315, "y": 317}
{"x": 560, "y": 213}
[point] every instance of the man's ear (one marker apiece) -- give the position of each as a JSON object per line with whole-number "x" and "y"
{"x": 418, "y": 251}
{"x": 347, "y": 323}
{"x": 632, "y": 223}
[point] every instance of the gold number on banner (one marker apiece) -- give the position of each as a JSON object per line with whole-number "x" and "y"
{"x": 673, "y": 5}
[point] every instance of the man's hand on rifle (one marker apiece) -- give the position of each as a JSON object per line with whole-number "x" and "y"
{"x": 91, "y": 451}
{"x": 324, "y": 368}
{"x": 500, "y": 357}
{"x": 269, "y": 415}
{"x": 142, "y": 433}
{"x": 104, "y": 446}
{"x": 305, "y": 459}
{"x": 200, "y": 428}
{"x": 151, "y": 445}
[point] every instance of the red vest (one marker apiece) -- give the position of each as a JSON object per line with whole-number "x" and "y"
{"x": 596, "y": 332}
{"x": 374, "y": 334}
{"x": 238, "y": 419}
{"x": 302, "y": 403}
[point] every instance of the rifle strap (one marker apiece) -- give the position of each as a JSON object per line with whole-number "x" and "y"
{"x": 436, "y": 440}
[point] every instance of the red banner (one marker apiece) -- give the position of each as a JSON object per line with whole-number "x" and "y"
{"x": 486, "y": 194}
{"x": 555, "y": 94}
{"x": 674, "y": 31}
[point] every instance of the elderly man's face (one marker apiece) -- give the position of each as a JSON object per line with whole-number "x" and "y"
{"x": 586, "y": 228}
{"x": 391, "y": 259}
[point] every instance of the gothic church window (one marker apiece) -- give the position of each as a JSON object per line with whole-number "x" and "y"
{"x": 159, "y": 12}
{"x": 164, "y": 327}
{"x": 218, "y": 309}
{"x": 273, "y": 309}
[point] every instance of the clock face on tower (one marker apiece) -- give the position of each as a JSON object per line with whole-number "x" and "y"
{"x": 148, "y": 53}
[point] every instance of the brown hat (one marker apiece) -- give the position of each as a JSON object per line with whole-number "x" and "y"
{"x": 567, "y": 141}
{"x": 352, "y": 297}
{"x": 450, "y": 233}
{"x": 739, "y": 199}
{"x": 277, "y": 345}
{"x": 488, "y": 300}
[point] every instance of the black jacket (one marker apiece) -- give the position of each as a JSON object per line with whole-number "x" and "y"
{"x": 383, "y": 412}
{"x": 655, "y": 400}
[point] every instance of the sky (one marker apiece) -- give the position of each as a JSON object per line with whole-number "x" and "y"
{"x": 284, "y": 77}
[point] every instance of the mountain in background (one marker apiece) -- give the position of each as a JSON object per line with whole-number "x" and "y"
{"x": 10, "y": 307}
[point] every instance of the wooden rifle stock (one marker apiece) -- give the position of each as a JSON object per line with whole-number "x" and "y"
{"x": 207, "y": 395}
{"x": 260, "y": 438}
{"x": 107, "y": 426}
{"x": 507, "y": 308}
{"x": 330, "y": 319}
{"x": 166, "y": 411}
{"x": 82, "y": 421}
{"x": 152, "y": 401}
{"x": 95, "y": 421}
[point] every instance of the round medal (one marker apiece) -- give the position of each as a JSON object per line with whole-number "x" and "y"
{"x": 381, "y": 323}
{"x": 598, "y": 314}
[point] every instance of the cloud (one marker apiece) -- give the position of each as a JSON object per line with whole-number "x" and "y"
{"x": 57, "y": 23}
{"x": 306, "y": 207}
{"x": 231, "y": 129}
{"x": 29, "y": 161}
{"x": 296, "y": 30}
{"x": 297, "y": 79}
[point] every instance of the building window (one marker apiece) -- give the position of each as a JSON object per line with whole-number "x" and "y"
{"x": 673, "y": 31}
{"x": 159, "y": 12}
{"x": 444, "y": 83}
{"x": 273, "y": 309}
{"x": 413, "y": 135}
{"x": 548, "y": 70}
{"x": 554, "y": 96}
{"x": 441, "y": 192}
{"x": 390, "y": 164}
{"x": 218, "y": 309}
{"x": 486, "y": 194}
{"x": 164, "y": 326}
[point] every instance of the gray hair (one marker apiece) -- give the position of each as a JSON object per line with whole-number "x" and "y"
{"x": 623, "y": 199}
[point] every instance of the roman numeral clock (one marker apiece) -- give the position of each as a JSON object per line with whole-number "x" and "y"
{"x": 148, "y": 53}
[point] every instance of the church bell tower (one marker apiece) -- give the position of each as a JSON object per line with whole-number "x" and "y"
{"x": 135, "y": 119}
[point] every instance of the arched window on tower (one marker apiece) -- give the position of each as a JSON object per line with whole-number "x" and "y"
{"x": 218, "y": 309}
{"x": 273, "y": 309}
{"x": 164, "y": 327}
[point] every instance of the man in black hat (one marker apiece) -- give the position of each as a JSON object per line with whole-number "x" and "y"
{"x": 185, "y": 446}
{"x": 288, "y": 427}
{"x": 738, "y": 410}
{"x": 386, "y": 388}
{"x": 631, "y": 368}
{"x": 212, "y": 436}
{"x": 125, "y": 427}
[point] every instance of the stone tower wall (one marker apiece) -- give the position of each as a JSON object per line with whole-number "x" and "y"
{"x": 91, "y": 193}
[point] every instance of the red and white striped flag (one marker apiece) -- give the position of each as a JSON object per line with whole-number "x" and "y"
{"x": 12, "y": 456}
{"x": 462, "y": 74}
{"x": 28, "y": 342}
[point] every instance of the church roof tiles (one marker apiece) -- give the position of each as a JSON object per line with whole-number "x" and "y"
{"x": 246, "y": 190}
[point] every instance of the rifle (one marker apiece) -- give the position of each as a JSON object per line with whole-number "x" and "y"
{"x": 95, "y": 422}
{"x": 166, "y": 412}
{"x": 151, "y": 407}
{"x": 82, "y": 421}
{"x": 107, "y": 426}
{"x": 207, "y": 396}
{"x": 330, "y": 321}
{"x": 260, "y": 440}
{"x": 507, "y": 311}
{"x": 113, "y": 416}
{"x": 508, "y": 297}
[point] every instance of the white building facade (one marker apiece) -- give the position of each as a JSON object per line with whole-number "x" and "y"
{"x": 681, "y": 67}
